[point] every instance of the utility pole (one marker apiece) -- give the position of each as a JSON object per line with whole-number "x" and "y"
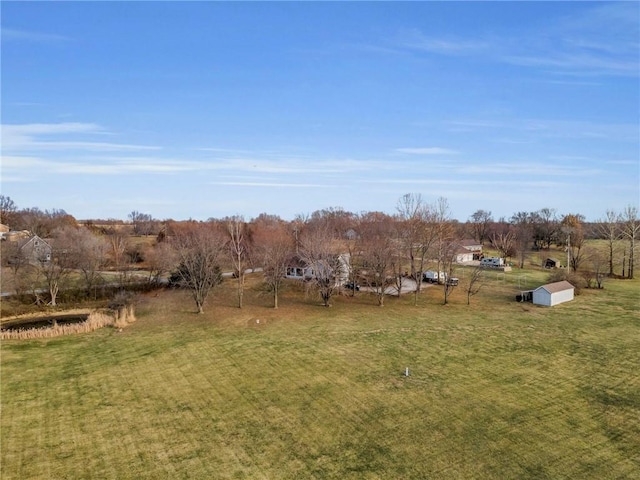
{"x": 569, "y": 252}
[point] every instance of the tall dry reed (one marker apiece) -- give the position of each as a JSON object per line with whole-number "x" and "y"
{"x": 94, "y": 321}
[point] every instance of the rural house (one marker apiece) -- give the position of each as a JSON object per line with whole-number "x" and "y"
{"x": 298, "y": 269}
{"x": 472, "y": 246}
{"x": 463, "y": 254}
{"x": 553, "y": 293}
{"x": 34, "y": 250}
{"x": 465, "y": 251}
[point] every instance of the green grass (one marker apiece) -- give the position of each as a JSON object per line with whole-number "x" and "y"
{"x": 497, "y": 390}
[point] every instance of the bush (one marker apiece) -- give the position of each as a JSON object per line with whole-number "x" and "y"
{"x": 122, "y": 305}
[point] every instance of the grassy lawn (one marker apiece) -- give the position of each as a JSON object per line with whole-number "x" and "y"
{"x": 496, "y": 389}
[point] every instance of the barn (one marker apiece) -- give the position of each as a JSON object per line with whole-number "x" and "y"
{"x": 553, "y": 293}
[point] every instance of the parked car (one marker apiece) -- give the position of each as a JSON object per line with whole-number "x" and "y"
{"x": 352, "y": 286}
{"x": 453, "y": 281}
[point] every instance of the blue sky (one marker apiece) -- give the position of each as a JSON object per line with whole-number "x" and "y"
{"x": 206, "y": 109}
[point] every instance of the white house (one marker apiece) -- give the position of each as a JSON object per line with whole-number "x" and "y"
{"x": 553, "y": 293}
{"x": 463, "y": 254}
{"x": 298, "y": 269}
{"x": 474, "y": 247}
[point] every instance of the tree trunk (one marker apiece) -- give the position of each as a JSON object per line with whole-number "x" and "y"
{"x": 325, "y": 300}
{"x": 53, "y": 291}
{"x": 275, "y": 296}
{"x": 240, "y": 288}
{"x": 632, "y": 247}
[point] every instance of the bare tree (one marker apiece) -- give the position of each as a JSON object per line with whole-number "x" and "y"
{"x": 545, "y": 225}
{"x": 599, "y": 265}
{"x": 142, "y": 222}
{"x": 504, "y": 242}
{"x": 476, "y": 281}
{"x": 160, "y": 259}
{"x": 608, "y": 228}
{"x": 317, "y": 249}
{"x": 417, "y": 234}
{"x": 378, "y": 251}
{"x": 442, "y": 219}
{"x": 198, "y": 249}
{"x": 274, "y": 246}
{"x": 523, "y": 231}
{"x": 480, "y": 222}
{"x": 335, "y": 219}
{"x": 630, "y": 230}
{"x": 446, "y": 243}
{"x": 57, "y": 269}
{"x": 18, "y": 264}
{"x": 86, "y": 252}
{"x": 7, "y": 211}
{"x": 352, "y": 240}
{"x": 43, "y": 223}
{"x": 410, "y": 222}
{"x": 448, "y": 261}
{"x": 33, "y": 220}
{"x": 572, "y": 226}
{"x": 118, "y": 245}
{"x": 238, "y": 239}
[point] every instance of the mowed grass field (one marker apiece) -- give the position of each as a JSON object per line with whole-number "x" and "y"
{"x": 497, "y": 389}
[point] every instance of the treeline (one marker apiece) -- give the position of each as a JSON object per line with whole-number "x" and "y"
{"x": 382, "y": 249}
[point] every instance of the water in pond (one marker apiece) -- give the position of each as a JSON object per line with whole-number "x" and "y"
{"x": 44, "y": 322}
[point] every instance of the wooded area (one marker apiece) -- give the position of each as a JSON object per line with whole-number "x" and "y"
{"x": 372, "y": 248}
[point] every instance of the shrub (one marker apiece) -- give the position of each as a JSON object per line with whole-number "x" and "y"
{"x": 122, "y": 304}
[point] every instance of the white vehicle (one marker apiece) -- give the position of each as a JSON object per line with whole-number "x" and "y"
{"x": 492, "y": 262}
{"x": 434, "y": 277}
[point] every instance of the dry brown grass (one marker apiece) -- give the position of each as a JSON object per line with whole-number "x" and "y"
{"x": 95, "y": 320}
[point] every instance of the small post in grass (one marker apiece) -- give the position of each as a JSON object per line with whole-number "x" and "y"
{"x": 406, "y": 372}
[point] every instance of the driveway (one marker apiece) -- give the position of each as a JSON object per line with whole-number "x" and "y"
{"x": 408, "y": 286}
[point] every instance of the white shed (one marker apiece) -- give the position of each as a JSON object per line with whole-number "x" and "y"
{"x": 553, "y": 293}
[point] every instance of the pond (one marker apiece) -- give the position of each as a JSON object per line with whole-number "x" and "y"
{"x": 45, "y": 322}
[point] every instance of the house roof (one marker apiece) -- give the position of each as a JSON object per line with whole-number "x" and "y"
{"x": 470, "y": 242}
{"x": 460, "y": 249}
{"x": 557, "y": 287}
{"x": 25, "y": 241}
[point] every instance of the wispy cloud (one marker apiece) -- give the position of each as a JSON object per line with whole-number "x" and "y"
{"x": 599, "y": 40}
{"x": 463, "y": 183}
{"x": 547, "y": 128}
{"x": 576, "y": 63}
{"x": 28, "y": 137}
{"x": 291, "y": 165}
{"x": 31, "y": 36}
{"x": 274, "y": 184}
{"x": 414, "y": 39}
{"x": 90, "y": 166}
{"x": 538, "y": 169}
{"x": 427, "y": 151}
